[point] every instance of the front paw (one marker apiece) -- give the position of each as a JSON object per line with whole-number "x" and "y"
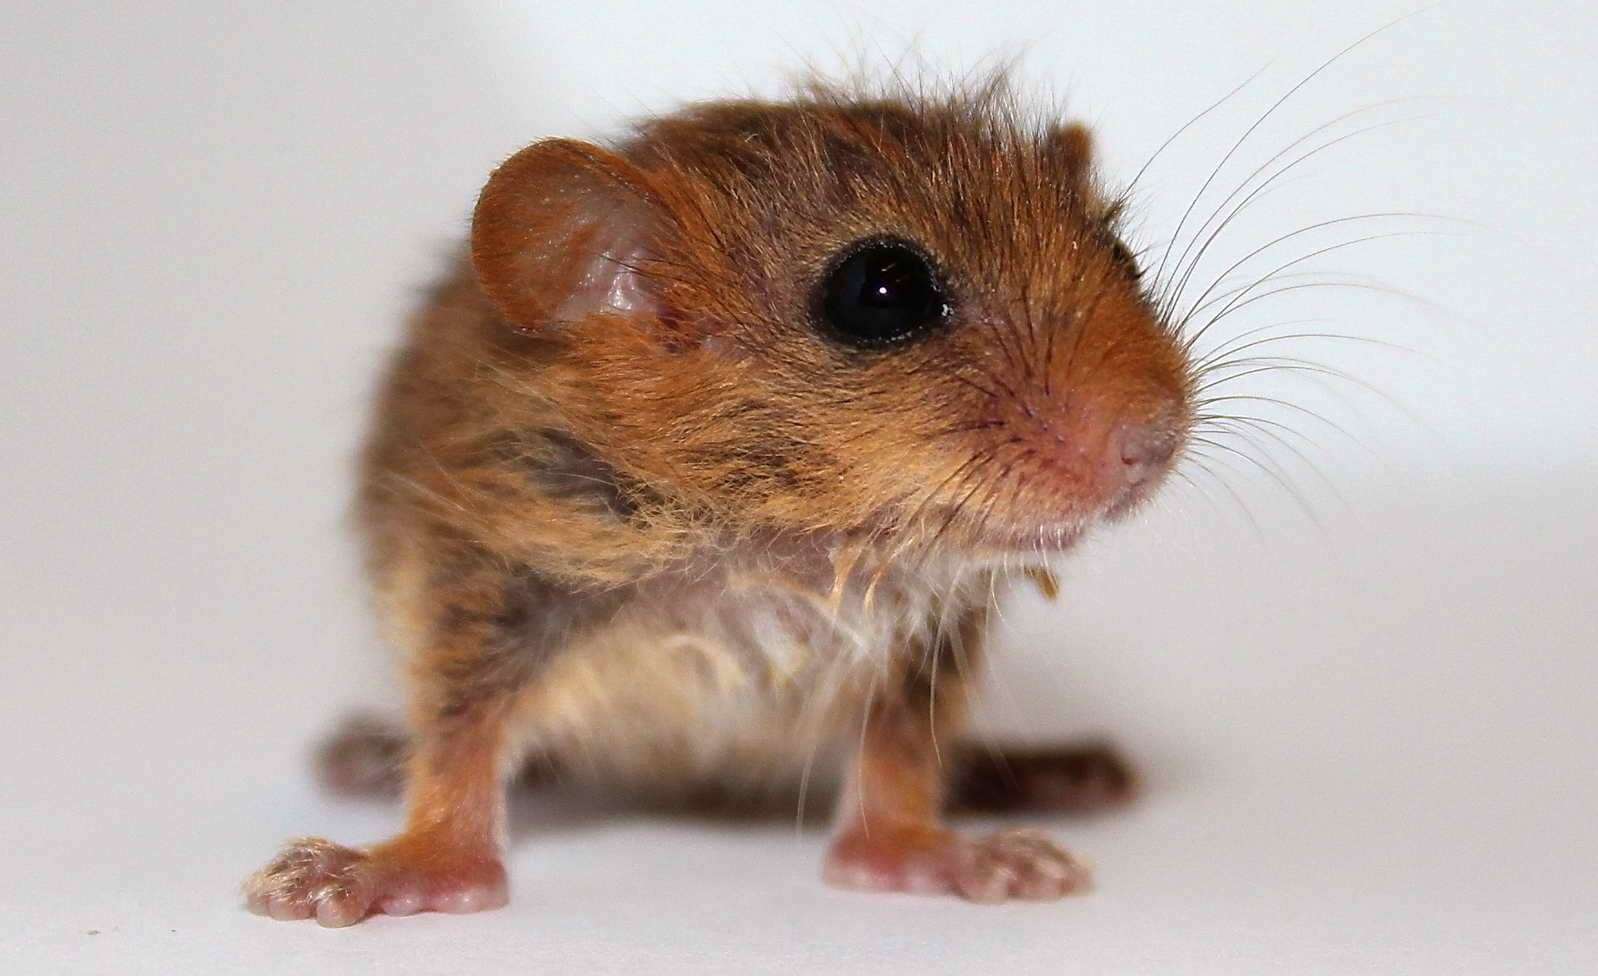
{"x": 338, "y": 886}
{"x": 920, "y": 860}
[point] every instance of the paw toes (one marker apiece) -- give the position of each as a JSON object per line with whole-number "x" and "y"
{"x": 987, "y": 884}
{"x": 286, "y": 909}
{"x": 1019, "y": 864}
{"x": 310, "y": 878}
{"x": 338, "y": 909}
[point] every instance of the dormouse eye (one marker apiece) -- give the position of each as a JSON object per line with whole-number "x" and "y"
{"x": 881, "y": 292}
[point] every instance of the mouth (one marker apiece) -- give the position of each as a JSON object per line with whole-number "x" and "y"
{"x": 1035, "y": 517}
{"x": 1050, "y": 533}
{"x": 1039, "y": 541}
{"x": 1133, "y": 498}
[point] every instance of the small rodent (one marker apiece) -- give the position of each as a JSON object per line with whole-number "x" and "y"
{"x": 707, "y": 466}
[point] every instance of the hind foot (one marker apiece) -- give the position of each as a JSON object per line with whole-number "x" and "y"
{"x": 363, "y": 756}
{"x": 1085, "y": 778}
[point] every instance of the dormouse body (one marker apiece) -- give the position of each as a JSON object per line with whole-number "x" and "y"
{"x": 703, "y": 472}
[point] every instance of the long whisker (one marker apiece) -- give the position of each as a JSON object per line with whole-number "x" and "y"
{"x": 1188, "y": 125}
{"x": 1238, "y": 427}
{"x": 1183, "y": 277}
{"x": 1203, "y": 404}
{"x": 1259, "y": 122}
{"x": 1281, "y": 479}
{"x": 1370, "y": 238}
{"x": 1274, "y": 364}
{"x": 1221, "y": 354}
{"x": 1200, "y": 302}
{"x": 1202, "y": 461}
{"x": 1353, "y": 285}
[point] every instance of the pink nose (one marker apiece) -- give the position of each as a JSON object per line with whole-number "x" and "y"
{"x": 1138, "y": 452}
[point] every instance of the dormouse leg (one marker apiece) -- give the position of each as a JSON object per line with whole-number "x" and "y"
{"x": 1073, "y": 777}
{"x": 890, "y": 834}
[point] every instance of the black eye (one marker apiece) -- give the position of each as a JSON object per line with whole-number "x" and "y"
{"x": 883, "y": 292}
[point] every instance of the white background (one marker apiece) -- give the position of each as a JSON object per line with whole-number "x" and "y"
{"x": 1369, "y": 733}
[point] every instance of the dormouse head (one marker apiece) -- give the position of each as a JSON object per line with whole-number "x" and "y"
{"x": 908, "y": 316}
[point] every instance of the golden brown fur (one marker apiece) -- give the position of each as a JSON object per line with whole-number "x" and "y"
{"x": 629, "y": 507}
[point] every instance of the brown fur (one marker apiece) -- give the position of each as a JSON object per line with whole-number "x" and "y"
{"x": 627, "y": 506}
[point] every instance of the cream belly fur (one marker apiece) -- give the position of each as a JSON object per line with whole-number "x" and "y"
{"x": 748, "y": 681}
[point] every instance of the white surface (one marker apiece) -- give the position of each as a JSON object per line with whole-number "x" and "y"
{"x": 1371, "y": 742}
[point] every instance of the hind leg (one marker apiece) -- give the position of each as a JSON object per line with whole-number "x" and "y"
{"x": 365, "y": 756}
{"x": 1086, "y": 777}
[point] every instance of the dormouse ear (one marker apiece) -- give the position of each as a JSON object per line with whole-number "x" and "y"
{"x": 1071, "y": 146}
{"x": 559, "y": 232}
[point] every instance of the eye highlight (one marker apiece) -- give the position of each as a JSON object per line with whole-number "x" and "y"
{"x": 881, "y": 292}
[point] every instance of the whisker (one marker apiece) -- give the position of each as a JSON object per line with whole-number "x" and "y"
{"x": 1188, "y": 125}
{"x": 1352, "y": 285}
{"x": 1259, "y": 122}
{"x": 1203, "y": 461}
{"x": 1201, "y": 302}
{"x": 1206, "y": 402}
{"x": 991, "y": 395}
{"x": 1213, "y": 360}
{"x": 860, "y": 781}
{"x": 1184, "y": 276}
{"x": 1281, "y": 478}
{"x": 1231, "y": 425}
{"x": 1370, "y": 238}
{"x": 1278, "y": 364}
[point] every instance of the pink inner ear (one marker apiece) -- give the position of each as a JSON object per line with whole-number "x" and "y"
{"x": 611, "y": 280}
{"x": 560, "y": 233}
